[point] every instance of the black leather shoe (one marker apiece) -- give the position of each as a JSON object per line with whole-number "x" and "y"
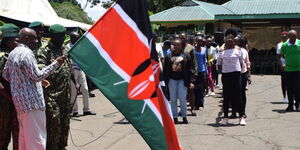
{"x": 89, "y": 113}
{"x": 175, "y": 120}
{"x": 75, "y": 114}
{"x": 289, "y": 109}
{"x": 92, "y": 95}
{"x": 185, "y": 121}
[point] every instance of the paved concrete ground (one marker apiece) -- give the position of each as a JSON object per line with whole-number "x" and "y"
{"x": 268, "y": 128}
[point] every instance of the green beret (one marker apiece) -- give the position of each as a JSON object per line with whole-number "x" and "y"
{"x": 36, "y": 24}
{"x": 10, "y": 30}
{"x": 57, "y": 28}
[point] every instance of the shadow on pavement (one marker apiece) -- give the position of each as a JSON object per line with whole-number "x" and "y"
{"x": 122, "y": 121}
{"x": 110, "y": 115}
{"x": 278, "y": 103}
{"x": 181, "y": 123}
{"x": 216, "y": 125}
{"x": 281, "y": 111}
{"x": 193, "y": 115}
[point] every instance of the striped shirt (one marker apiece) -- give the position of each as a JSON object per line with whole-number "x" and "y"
{"x": 21, "y": 70}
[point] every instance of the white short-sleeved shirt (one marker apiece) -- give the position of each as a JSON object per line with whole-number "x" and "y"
{"x": 231, "y": 60}
{"x": 282, "y": 60}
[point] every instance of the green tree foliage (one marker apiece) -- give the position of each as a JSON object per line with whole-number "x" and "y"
{"x": 156, "y": 6}
{"x": 217, "y": 1}
{"x": 70, "y": 9}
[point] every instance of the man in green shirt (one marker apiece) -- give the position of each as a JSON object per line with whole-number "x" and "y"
{"x": 290, "y": 50}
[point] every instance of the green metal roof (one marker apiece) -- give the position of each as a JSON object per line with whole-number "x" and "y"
{"x": 261, "y": 9}
{"x": 190, "y": 11}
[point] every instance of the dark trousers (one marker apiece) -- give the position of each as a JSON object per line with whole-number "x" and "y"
{"x": 244, "y": 77}
{"x": 215, "y": 74}
{"x": 232, "y": 93}
{"x": 199, "y": 90}
{"x": 283, "y": 83}
{"x": 293, "y": 87}
{"x": 165, "y": 90}
{"x": 91, "y": 86}
{"x": 9, "y": 125}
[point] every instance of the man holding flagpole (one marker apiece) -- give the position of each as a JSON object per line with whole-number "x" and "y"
{"x": 21, "y": 70}
{"x": 127, "y": 73}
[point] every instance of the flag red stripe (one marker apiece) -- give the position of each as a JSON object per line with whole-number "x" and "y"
{"x": 169, "y": 127}
{"x": 120, "y": 42}
{"x": 113, "y": 28}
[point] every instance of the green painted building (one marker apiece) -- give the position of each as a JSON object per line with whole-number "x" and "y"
{"x": 261, "y": 20}
{"x": 190, "y": 16}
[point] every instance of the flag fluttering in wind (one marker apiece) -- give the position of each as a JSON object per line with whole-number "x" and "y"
{"x": 118, "y": 57}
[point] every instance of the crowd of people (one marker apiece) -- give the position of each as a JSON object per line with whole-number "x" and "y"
{"x": 191, "y": 68}
{"x": 39, "y": 85}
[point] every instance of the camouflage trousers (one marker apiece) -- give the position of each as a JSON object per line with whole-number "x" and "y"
{"x": 9, "y": 125}
{"x": 58, "y": 123}
{"x": 65, "y": 110}
{"x": 52, "y": 125}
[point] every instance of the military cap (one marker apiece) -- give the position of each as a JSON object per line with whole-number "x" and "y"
{"x": 9, "y": 30}
{"x": 57, "y": 28}
{"x": 36, "y": 24}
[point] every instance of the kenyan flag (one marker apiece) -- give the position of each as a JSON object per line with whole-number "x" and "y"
{"x": 116, "y": 55}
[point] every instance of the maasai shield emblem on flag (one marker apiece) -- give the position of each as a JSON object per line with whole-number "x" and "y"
{"x": 115, "y": 55}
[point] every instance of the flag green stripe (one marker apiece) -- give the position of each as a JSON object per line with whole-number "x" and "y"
{"x": 102, "y": 75}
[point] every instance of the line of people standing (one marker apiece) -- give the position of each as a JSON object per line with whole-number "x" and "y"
{"x": 190, "y": 72}
{"x": 184, "y": 70}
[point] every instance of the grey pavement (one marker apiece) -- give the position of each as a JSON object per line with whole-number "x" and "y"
{"x": 268, "y": 126}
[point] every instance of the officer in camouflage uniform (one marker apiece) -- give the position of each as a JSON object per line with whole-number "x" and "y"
{"x": 57, "y": 95}
{"x": 38, "y": 27}
{"x": 8, "y": 115}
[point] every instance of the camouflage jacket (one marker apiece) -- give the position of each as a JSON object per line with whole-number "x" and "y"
{"x": 60, "y": 79}
{"x": 43, "y": 44}
{"x": 3, "y": 59}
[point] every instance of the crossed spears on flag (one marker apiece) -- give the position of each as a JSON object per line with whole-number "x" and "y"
{"x": 143, "y": 80}
{"x": 115, "y": 53}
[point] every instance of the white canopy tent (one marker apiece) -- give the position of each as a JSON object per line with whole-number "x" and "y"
{"x": 35, "y": 10}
